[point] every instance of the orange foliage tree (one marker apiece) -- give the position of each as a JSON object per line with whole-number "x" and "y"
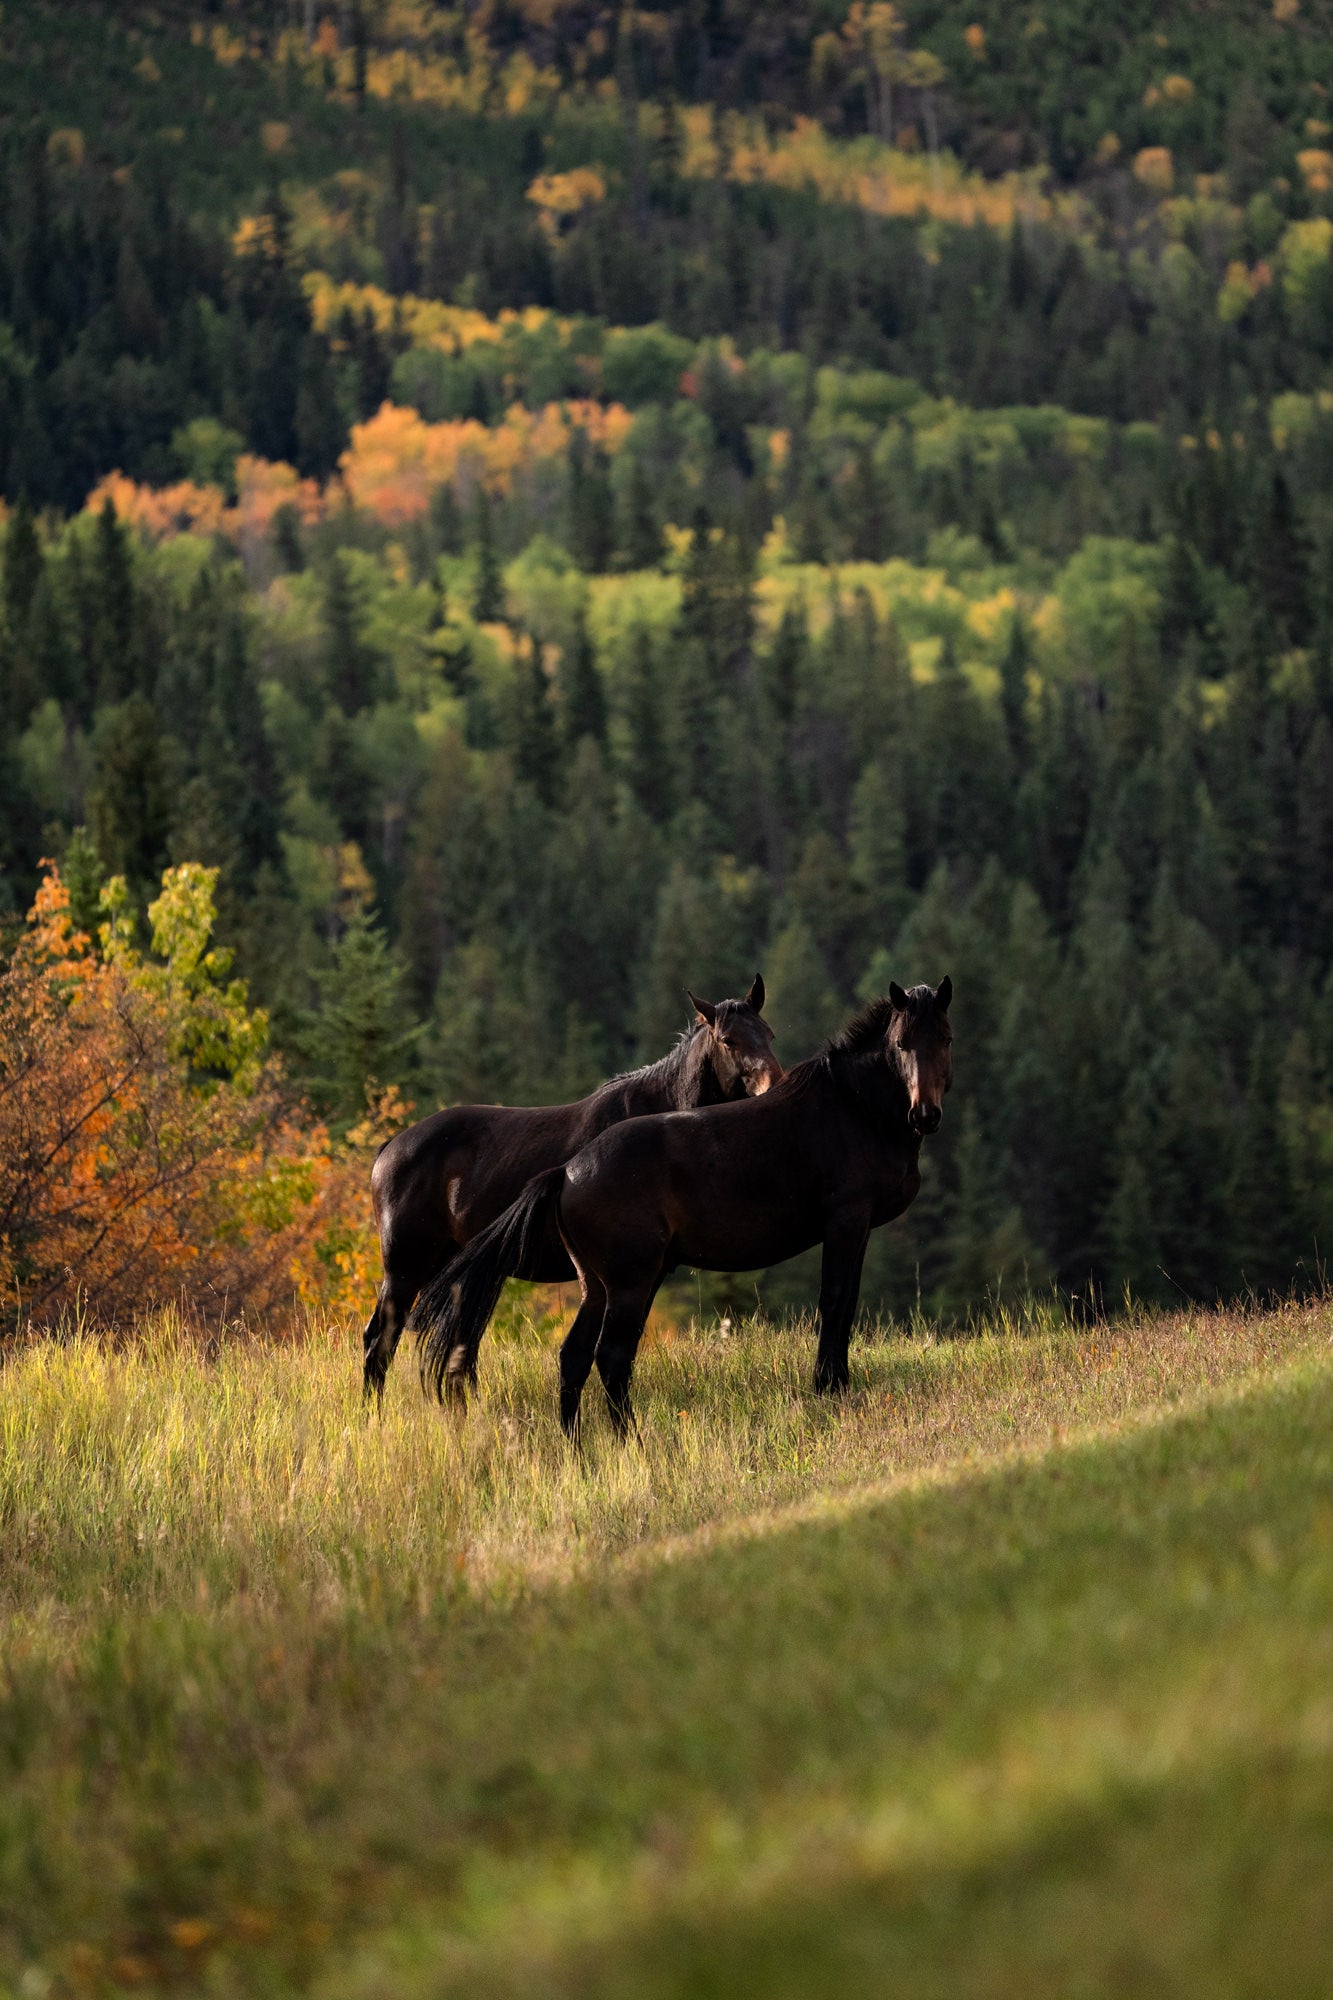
{"x": 148, "y": 1151}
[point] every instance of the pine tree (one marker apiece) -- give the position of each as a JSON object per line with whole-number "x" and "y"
{"x": 350, "y": 664}
{"x": 1014, "y": 669}
{"x": 23, "y": 565}
{"x": 717, "y": 596}
{"x": 877, "y": 837}
{"x": 130, "y": 802}
{"x": 868, "y": 510}
{"x": 987, "y": 1253}
{"x": 1279, "y": 563}
{"x": 84, "y": 877}
{"x": 320, "y": 432}
{"x": 488, "y": 584}
{"x": 592, "y": 532}
{"x": 582, "y": 699}
{"x": 113, "y": 598}
{"x": 360, "y": 1036}
{"x": 694, "y": 943}
{"x": 649, "y": 765}
{"x": 802, "y": 1006}
{"x": 641, "y": 539}
{"x": 783, "y": 663}
{"x": 536, "y": 749}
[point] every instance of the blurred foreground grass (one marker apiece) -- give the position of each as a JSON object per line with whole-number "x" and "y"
{"x": 1011, "y": 1674}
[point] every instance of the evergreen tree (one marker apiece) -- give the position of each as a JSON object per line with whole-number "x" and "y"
{"x": 641, "y": 536}
{"x": 803, "y": 1009}
{"x": 717, "y": 596}
{"x": 482, "y": 1029}
{"x": 112, "y": 586}
{"x": 582, "y": 699}
{"x": 878, "y": 851}
{"x": 783, "y": 663}
{"x": 360, "y": 1036}
{"x": 23, "y": 566}
{"x": 130, "y": 800}
{"x": 350, "y": 664}
{"x": 648, "y": 762}
{"x": 536, "y": 747}
{"x": 695, "y": 943}
{"x": 1015, "y": 666}
{"x": 84, "y": 877}
{"x": 592, "y": 533}
{"x": 868, "y": 511}
{"x": 488, "y": 585}
{"x": 1279, "y": 564}
{"x": 987, "y": 1254}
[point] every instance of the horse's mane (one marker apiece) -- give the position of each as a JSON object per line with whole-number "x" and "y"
{"x": 658, "y": 1071}
{"x": 865, "y": 1032}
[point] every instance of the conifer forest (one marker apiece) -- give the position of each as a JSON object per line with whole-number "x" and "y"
{"x": 557, "y": 503}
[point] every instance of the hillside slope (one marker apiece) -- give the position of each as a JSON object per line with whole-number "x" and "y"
{"x": 1009, "y": 1676}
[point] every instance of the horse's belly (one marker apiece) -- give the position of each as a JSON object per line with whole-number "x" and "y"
{"x": 743, "y": 1242}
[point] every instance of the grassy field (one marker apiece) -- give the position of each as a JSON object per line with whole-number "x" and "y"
{"x": 1011, "y": 1675}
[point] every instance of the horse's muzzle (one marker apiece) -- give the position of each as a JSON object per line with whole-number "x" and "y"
{"x": 926, "y": 1119}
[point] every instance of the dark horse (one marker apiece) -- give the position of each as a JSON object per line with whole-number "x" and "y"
{"x": 826, "y": 1156}
{"x": 438, "y": 1184}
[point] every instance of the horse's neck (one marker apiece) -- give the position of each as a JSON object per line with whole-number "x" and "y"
{"x": 879, "y": 1091}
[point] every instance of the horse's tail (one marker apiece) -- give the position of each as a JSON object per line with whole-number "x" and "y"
{"x": 452, "y": 1312}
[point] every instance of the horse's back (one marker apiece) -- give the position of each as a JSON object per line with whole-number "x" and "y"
{"x": 717, "y": 1187}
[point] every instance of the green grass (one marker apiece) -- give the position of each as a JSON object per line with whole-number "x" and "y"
{"x": 1010, "y": 1675}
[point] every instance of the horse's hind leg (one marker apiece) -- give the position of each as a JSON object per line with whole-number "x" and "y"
{"x": 622, "y": 1330}
{"x": 577, "y": 1350}
{"x": 384, "y": 1330}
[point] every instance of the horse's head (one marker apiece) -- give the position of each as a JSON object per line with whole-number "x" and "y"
{"x": 740, "y": 1043}
{"x": 920, "y": 1044}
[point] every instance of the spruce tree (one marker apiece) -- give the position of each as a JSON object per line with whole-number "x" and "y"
{"x": 360, "y": 1035}
{"x": 582, "y": 699}
{"x": 350, "y": 664}
{"x": 130, "y": 800}
{"x": 536, "y": 747}
{"x": 23, "y": 564}
{"x": 641, "y": 536}
{"x": 802, "y": 1006}
{"x": 1014, "y": 668}
{"x": 112, "y": 584}
{"x": 488, "y": 583}
{"x": 649, "y": 765}
{"x": 592, "y": 530}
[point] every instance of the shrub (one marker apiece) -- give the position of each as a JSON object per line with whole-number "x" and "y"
{"x": 147, "y": 1149}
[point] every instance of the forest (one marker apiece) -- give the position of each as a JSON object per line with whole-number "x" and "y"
{"x": 557, "y": 504}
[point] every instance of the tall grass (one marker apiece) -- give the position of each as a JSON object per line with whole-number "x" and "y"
{"x": 296, "y": 1699}
{"x": 162, "y": 1463}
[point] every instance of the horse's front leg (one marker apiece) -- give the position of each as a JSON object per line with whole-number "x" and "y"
{"x": 845, "y": 1240}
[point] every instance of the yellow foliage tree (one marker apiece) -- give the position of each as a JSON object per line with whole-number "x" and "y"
{"x": 147, "y": 1150}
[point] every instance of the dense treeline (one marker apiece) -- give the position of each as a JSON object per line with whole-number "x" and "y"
{"x": 849, "y": 594}
{"x": 1001, "y": 85}
{"x": 126, "y": 314}
{"x": 1126, "y": 868}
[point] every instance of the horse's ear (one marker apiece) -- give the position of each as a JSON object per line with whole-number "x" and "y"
{"x": 704, "y": 1009}
{"x": 898, "y": 997}
{"x": 755, "y": 996}
{"x": 944, "y": 994}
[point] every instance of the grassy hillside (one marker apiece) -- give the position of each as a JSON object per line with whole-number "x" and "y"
{"x": 1010, "y": 1676}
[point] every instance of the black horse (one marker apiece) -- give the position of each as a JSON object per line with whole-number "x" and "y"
{"x": 435, "y": 1186}
{"x": 826, "y": 1156}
